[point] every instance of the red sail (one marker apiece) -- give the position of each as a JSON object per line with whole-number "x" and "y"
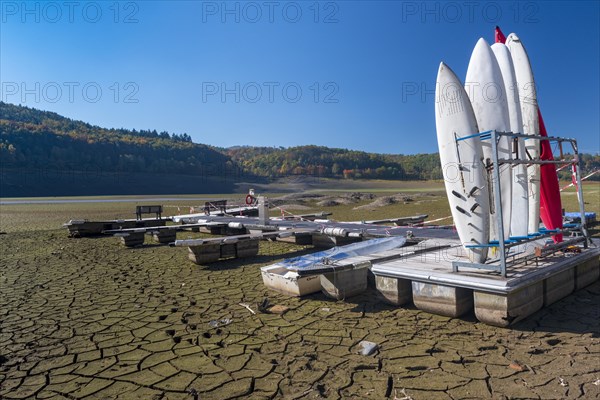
{"x": 499, "y": 36}
{"x": 550, "y": 204}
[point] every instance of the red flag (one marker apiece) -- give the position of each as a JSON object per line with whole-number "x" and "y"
{"x": 499, "y": 36}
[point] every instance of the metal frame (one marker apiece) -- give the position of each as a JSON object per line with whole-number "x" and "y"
{"x": 500, "y": 264}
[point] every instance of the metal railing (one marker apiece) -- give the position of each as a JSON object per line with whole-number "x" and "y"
{"x": 500, "y": 264}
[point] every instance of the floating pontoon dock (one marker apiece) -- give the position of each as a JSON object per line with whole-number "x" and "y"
{"x": 83, "y": 227}
{"x": 532, "y": 282}
{"x": 193, "y": 218}
{"x": 424, "y": 275}
{"x": 203, "y": 251}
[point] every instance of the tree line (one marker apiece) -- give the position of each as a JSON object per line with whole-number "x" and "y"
{"x": 31, "y": 138}
{"x": 336, "y": 163}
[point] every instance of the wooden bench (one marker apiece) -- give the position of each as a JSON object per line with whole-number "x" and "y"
{"x": 218, "y": 205}
{"x": 157, "y": 210}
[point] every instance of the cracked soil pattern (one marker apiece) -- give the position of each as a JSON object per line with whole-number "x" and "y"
{"x": 88, "y": 318}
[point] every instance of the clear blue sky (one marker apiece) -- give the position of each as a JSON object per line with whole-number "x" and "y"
{"x": 229, "y": 73}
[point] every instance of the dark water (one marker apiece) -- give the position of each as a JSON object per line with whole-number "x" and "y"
{"x": 102, "y": 200}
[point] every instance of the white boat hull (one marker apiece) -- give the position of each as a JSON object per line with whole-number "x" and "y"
{"x": 485, "y": 87}
{"x": 531, "y": 125}
{"x": 520, "y": 191}
{"x": 462, "y": 166}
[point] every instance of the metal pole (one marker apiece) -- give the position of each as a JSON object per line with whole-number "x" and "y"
{"x": 580, "y": 197}
{"x": 498, "y": 201}
{"x": 263, "y": 216}
{"x": 532, "y": 162}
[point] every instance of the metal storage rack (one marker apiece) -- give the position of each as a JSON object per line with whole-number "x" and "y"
{"x": 500, "y": 265}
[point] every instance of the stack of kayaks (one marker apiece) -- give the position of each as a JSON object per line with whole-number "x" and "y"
{"x": 498, "y": 94}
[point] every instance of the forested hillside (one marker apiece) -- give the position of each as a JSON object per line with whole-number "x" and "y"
{"x": 31, "y": 138}
{"x": 34, "y": 140}
{"x": 335, "y": 163}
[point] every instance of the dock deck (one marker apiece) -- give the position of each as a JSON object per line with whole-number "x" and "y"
{"x": 424, "y": 274}
{"x": 80, "y": 228}
{"x": 429, "y": 281}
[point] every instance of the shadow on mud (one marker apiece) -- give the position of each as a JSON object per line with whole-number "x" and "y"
{"x": 577, "y": 313}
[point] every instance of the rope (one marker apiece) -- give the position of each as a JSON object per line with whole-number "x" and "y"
{"x": 193, "y": 208}
{"x": 283, "y": 212}
{"x": 434, "y": 220}
{"x": 582, "y": 179}
{"x": 562, "y": 167}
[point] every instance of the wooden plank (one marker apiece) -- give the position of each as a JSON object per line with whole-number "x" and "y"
{"x": 228, "y": 250}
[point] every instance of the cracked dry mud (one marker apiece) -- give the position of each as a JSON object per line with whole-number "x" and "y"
{"x": 87, "y": 318}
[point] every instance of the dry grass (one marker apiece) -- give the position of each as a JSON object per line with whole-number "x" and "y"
{"x": 88, "y": 318}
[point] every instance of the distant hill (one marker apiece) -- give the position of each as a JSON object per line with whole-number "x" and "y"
{"x": 30, "y": 138}
{"x": 335, "y": 163}
{"x": 43, "y": 153}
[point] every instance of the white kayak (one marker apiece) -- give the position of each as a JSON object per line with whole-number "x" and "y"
{"x": 464, "y": 173}
{"x": 485, "y": 86}
{"x": 520, "y": 201}
{"x": 531, "y": 125}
